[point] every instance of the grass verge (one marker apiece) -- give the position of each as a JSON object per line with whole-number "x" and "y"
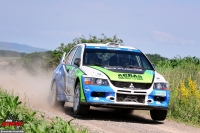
{"x": 33, "y": 122}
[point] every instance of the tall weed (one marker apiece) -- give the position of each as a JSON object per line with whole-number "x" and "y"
{"x": 185, "y": 92}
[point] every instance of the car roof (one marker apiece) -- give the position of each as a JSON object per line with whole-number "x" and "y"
{"x": 107, "y": 45}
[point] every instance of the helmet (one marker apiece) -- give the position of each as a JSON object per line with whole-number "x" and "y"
{"x": 91, "y": 56}
{"x": 123, "y": 56}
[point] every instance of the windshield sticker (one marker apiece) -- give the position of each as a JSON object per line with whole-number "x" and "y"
{"x": 149, "y": 72}
{"x": 130, "y": 76}
{"x": 114, "y": 48}
{"x": 123, "y": 68}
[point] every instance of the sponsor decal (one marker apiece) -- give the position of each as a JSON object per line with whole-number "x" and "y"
{"x": 158, "y": 103}
{"x": 96, "y": 99}
{"x": 149, "y": 72}
{"x": 136, "y": 76}
{"x": 87, "y": 88}
{"x": 158, "y": 78}
{"x": 123, "y": 68}
{"x": 113, "y": 48}
{"x": 164, "y": 104}
{"x": 97, "y": 74}
{"x": 160, "y": 93}
{"x": 130, "y": 76}
{"x": 130, "y": 49}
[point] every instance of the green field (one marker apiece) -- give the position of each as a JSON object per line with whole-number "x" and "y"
{"x": 184, "y": 80}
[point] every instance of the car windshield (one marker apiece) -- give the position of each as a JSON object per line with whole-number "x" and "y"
{"x": 116, "y": 58}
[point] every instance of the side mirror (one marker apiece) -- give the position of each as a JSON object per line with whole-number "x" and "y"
{"x": 154, "y": 66}
{"x": 77, "y": 61}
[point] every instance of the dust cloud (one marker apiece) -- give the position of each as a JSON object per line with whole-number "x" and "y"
{"x": 32, "y": 89}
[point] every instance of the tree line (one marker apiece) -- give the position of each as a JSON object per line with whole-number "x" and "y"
{"x": 50, "y": 59}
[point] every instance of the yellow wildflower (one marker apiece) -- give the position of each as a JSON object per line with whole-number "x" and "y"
{"x": 184, "y": 91}
{"x": 192, "y": 86}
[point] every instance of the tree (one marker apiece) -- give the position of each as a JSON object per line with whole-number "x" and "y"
{"x": 156, "y": 57}
{"x": 57, "y": 53}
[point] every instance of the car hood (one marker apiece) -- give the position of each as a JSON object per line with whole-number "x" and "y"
{"x": 147, "y": 76}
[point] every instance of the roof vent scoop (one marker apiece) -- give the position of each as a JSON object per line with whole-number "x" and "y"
{"x": 113, "y": 44}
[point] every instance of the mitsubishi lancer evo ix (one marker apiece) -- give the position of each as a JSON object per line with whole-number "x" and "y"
{"x": 109, "y": 75}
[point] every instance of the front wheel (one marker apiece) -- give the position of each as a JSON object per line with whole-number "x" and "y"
{"x": 158, "y": 115}
{"x": 77, "y": 107}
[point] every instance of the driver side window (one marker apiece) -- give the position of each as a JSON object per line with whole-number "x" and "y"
{"x": 70, "y": 56}
{"x": 77, "y": 55}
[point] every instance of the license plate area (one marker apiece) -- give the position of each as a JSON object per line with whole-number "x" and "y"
{"x": 160, "y": 93}
{"x": 130, "y": 98}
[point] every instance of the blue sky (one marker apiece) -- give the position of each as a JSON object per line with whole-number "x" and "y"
{"x": 166, "y": 27}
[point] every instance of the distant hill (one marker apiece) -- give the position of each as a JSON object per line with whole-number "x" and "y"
{"x": 6, "y": 53}
{"x": 22, "y": 48}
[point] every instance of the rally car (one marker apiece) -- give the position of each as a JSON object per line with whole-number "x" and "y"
{"x": 109, "y": 75}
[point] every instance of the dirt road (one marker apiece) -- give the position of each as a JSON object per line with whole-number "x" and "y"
{"x": 34, "y": 91}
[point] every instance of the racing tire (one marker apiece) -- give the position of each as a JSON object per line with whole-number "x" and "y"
{"x": 158, "y": 115}
{"x": 54, "y": 101}
{"x": 77, "y": 107}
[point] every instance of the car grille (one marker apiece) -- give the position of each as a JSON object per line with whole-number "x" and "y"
{"x": 127, "y": 84}
{"x": 130, "y": 98}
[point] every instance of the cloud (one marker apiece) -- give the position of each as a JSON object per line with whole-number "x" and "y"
{"x": 167, "y": 37}
{"x": 60, "y": 33}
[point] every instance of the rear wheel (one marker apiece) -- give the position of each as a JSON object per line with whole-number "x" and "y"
{"x": 158, "y": 115}
{"x": 77, "y": 107}
{"x": 54, "y": 94}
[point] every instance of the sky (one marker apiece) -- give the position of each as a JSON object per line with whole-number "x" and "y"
{"x": 170, "y": 28}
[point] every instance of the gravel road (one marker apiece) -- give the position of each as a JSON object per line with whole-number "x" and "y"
{"x": 34, "y": 91}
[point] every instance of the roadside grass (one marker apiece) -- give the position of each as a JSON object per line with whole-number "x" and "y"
{"x": 185, "y": 93}
{"x": 34, "y": 122}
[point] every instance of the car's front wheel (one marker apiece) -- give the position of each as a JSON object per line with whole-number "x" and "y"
{"x": 158, "y": 115}
{"x": 77, "y": 107}
{"x": 53, "y": 98}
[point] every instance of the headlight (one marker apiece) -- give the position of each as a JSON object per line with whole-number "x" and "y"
{"x": 99, "y": 81}
{"x": 96, "y": 81}
{"x": 161, "y": 86}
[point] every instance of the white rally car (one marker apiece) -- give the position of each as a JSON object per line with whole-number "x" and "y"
{"x": 109, "y": 75}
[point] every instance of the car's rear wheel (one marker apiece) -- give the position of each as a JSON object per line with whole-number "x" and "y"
{"x": 54, "y": 94}
{"x": 77, "y": 107}
{"x": 158, "y": 115}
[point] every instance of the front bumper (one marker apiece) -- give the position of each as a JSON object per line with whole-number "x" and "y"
{"x": 135, "y": 107}
{"x": 107, "y": 97}
{"x": 114, "y": 97}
